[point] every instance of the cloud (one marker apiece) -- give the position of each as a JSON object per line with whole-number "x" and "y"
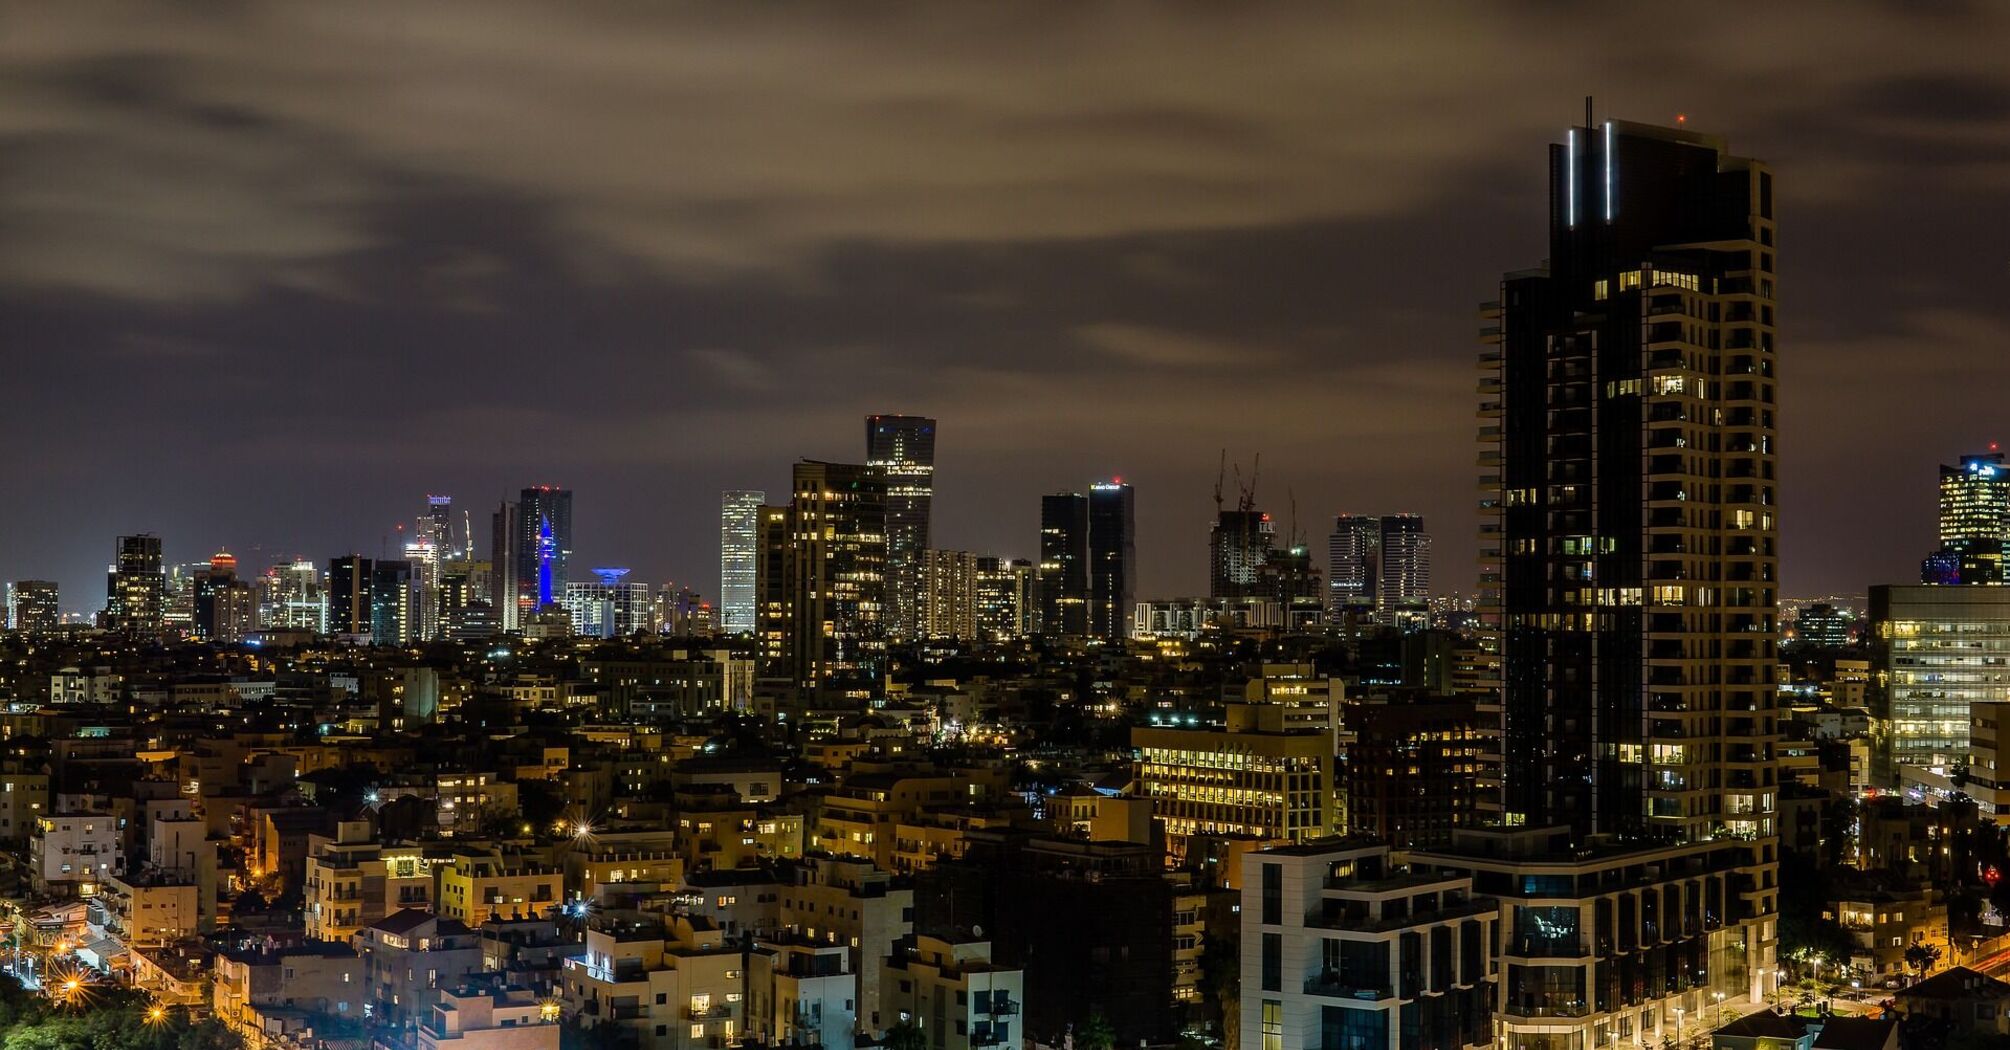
{"x": 1159, "y": 348}
{"x": 271, "y": 252}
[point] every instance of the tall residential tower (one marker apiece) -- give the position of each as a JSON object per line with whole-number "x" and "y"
{"x": 1629, "y": 560}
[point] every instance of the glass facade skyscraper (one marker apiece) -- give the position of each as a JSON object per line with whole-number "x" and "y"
{"x": 739, "y": 521}
{"x": 903, "y": 448}
{"x": 1113, "y": 560}
{"x": 1974, "y": 522}
{"x": 136, "y": 587}
{"x": 1064, "y": 565}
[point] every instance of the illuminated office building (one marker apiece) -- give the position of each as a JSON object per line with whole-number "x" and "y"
{"x": 136, "y": 588}
{"x": 504, "y": 593}
{"x": 739, "y": 520}
{"x": 1941, "y": 650}
{"x": 1974, "y": 522}
{"x": 1353, "y": 551}
{"x": 903, "y": 449}
{"x": 1008, "y": 598}
{"x": 1629, "y": 547}
{"x": 543, "y": 545}
{"x": 223, "y": 608}
{"x": 32, "y": 606}
{"x": 823, "y": 582}
{"x": 290, "y": 597}
{"x": 609, "y": 607}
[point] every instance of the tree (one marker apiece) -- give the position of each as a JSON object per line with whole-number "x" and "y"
{"x": 1096, "y": 1034}
{"x": 905, "y": 1036}
{"x": 1221, "y": 972}
{"x": 1921, "y": 956}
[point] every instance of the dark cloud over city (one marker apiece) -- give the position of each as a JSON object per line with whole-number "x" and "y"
{"x": 271, "y": 273}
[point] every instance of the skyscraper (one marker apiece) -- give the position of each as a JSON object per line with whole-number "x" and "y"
{"x": 821, "y": 621}
{"x": 1629, "y": 534}
{"x": 1238, "y": 548}
{"x": 1403, "y": 572}
{"x": 543, "y": 546}
{"x": 429, "y": 553}
{"x": 1064, "y": 565}
{"x": 1381, "y": 565}
{"x": 949, "y": 594}
{"x": 504, "y": 594}
{"x": 1008, "y": 598}
{"x": 609, "y": 607}
{"x": 739, "y": 520}
{"x": 32, "y": 607}
{"x": 223, "y": 606}
{"x": 290, "y": 597}
{"x": 369, "y": 598}
{"x": 1353, "y": 552}
{"x": 1974, "y": 522}
{"x": 1113, "y": 560}
{"x": 904, "y": 448}
{"x": 136, "y": 587}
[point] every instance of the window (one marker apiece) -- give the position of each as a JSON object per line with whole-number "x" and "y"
{"x": 1273, "y": 962}
{"x": 1273, "y": 894}
{"x": 1273, "y": 1026}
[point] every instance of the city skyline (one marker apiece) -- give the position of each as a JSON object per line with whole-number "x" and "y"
{"x": 1257, "y": 251}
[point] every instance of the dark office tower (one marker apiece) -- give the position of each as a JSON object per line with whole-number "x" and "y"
{"x": 1629, "y": 437}
{"x": 1628, "y": 541}
{"x": 904, "y": 448}
{"x": 349, "y": 595}
{"x": 370, "y": 597}
{"x": 503, "y": 590}
{"x": 1353, "y": 552}
{"x": 1974, "y": 522}
{"x": 1113, "y": 561}
{"x": 543, "y": 546}
{"x": 1403, "y": 573}
{"x": 32, "y": 606}
{"x": 1238, "y": 548}
{"x": 136, "y": 588}
{"x": 208, "y": 587}
{"x": 828, "y": 552}
{"x": 1064, "y": 565}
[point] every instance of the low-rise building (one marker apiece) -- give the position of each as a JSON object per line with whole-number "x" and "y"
{"x": 948, "y": 987}
{"x": 409, "y": 956}
{"x": 1344, "y": 945}
{"x": 490, "y": 1019}
{"x": 801, "y": 993}
{"x": 478, "y": 885}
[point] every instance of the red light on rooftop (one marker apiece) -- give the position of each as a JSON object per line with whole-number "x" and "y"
{"x": 1681, "y": 118}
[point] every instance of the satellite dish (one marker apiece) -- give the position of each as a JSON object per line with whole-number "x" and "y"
{"x": 976, "y": 931}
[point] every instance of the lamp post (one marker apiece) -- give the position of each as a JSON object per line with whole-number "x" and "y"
{"x": 1720, "y": 1009}
{"x": 1678, "y": 1026}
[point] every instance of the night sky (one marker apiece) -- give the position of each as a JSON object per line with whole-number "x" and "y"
{"x": 269, "y": 275}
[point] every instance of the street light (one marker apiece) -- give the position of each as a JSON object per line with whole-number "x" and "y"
{"x": 1720, "y": 1009}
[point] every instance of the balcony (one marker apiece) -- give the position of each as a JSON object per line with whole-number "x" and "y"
{"x": 1330, "y": 985}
